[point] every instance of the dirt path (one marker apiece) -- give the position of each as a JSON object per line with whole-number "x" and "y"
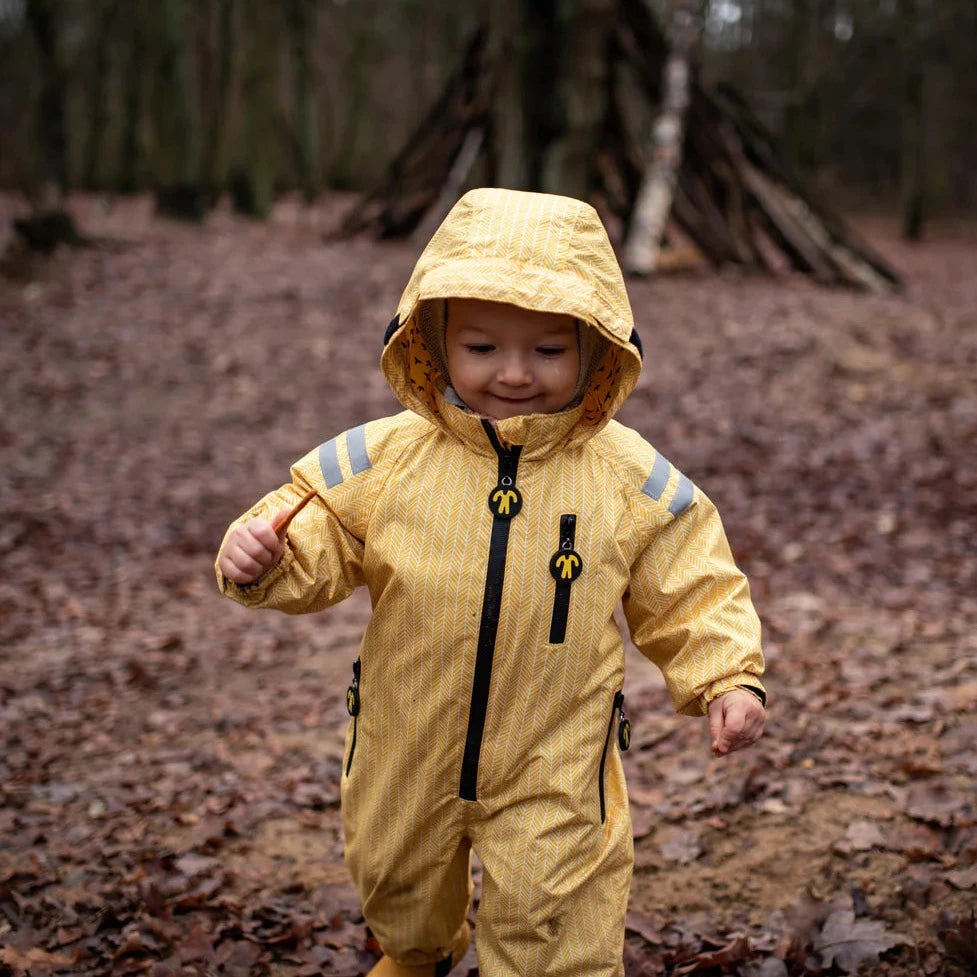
{"x": 169, "y": 764}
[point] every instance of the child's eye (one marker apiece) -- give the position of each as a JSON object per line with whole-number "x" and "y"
{"x": 479, "y": 347}
{"x": 551, "y": 350}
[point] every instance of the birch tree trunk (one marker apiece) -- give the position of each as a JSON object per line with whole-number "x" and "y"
{"x": 654, "y": 201}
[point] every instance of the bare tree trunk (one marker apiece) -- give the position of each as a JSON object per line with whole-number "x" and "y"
{"x": 654, "y": 201}
{"x": 179, "y": 191}
{"x": 301, "y": 22}
{"x": 355, "y": 84}
{"x": 506, "y": 44}
{"x": 569, "y": 159}
{"x": 912, "y": 168}
{"x": 54, "y": 183}
{"x": 550, "y": 60}
{"x": 217, "y": 125}
{"x": 802, "y": 121}
{"x": 131, "y": 154}
{"x": 92, "y": 174}
{"x": 50, "y": 224}
{"x": 254, "y": 185}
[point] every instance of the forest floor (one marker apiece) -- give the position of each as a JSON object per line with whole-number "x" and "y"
{"x": 169, "y": 762}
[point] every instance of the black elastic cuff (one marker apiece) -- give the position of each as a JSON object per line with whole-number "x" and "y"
{"x": 759, "y": 693}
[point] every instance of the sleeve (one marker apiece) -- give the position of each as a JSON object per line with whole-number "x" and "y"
{"x": 689, "y": 611}
{"x": 323, "y": 559}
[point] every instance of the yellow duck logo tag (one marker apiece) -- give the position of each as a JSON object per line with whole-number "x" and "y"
{"x": 567, "y": 562}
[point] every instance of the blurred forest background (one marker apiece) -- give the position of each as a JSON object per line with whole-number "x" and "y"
{"x": 875, "y": 101}
{"x": 169, "y": 763}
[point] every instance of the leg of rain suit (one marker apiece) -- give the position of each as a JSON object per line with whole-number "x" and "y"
{"x": 555, "y": 888}
{"x": 413, "y": 876}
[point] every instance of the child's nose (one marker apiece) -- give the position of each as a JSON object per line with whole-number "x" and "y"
{"x": 515, "y": 371}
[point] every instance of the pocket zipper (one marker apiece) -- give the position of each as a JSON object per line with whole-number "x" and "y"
{"x": 565, "y": 566}
{"x": 353, "y": 708}
{"x": 617, "y": 711}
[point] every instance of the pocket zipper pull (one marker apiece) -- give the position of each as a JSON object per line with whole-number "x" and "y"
{"x": 353, "y": 692}
{"x": 623, "y": 729}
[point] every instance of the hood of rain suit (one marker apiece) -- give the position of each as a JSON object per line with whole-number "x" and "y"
{"x": 538, "y": 251}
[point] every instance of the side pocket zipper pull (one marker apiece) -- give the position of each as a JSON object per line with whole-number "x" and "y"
{"x": 353, "y": 692}
{"x": 623, "y": 729}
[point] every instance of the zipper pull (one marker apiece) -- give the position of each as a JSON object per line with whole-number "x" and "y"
{"x": 623, "y": 728}
{"x": 505, "y": 501}
{"x": 353, "y": 692}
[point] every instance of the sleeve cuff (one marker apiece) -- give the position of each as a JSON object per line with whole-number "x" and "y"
{"x": 253, "y": 594}
{"x": 744, "y": 680}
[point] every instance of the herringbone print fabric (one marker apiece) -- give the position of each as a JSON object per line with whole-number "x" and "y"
{"x": 403, "y": 508}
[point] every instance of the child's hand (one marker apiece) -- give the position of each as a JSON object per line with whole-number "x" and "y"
{"x": 250, "y": 551}
{"x": 736, "y": 720}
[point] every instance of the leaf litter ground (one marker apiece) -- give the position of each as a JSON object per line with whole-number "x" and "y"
{"x": 170, "y": 762}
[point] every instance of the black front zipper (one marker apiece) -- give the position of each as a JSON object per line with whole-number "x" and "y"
{"x": 565, "y": 566}
{"x": 505, "y": 502}
{"x": 353, "y": 708}
{"x": 617, "y": 708}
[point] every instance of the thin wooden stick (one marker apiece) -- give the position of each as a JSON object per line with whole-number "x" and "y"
{"x": 281, "y": 522}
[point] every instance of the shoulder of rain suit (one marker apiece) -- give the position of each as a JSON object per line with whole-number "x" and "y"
{"x": 322, "y": 561}
{"x": 687, "y": 604}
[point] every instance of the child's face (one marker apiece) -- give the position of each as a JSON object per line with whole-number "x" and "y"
{"x": 504, "y": 360}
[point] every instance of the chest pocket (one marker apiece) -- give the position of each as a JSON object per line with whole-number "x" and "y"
{"x": 566, "y": 565}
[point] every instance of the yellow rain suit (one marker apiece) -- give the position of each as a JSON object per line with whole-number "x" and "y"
{"x": 487, "y": 693}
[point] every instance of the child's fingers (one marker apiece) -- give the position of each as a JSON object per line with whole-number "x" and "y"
{"x": 731, "y": 731}
{"x": 715, "y": 723}
{"x": 251, "y": 550}
{"x": 746, "y": 735}
{"x": 237, "y": 565}
{"x": 240, "y": 568}
{"x": 735, "y": 721}
{"x": 258, "y": 541}
{"x": 263, "y": 532}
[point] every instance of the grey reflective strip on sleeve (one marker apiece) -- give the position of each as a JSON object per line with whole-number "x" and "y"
{"x": 658, "y": 478}
{"x": 329, "y": 463}
{"x": 359, "y": 460}
{"x": 683, "y": 496}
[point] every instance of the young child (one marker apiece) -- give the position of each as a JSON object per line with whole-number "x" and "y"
{"x": 498, "y": 522}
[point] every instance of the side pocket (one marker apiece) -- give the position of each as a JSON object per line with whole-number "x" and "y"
{"x": 353, "y": 708}
{"x": 615, "y": 709}
{"x": 565, "y": 566}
